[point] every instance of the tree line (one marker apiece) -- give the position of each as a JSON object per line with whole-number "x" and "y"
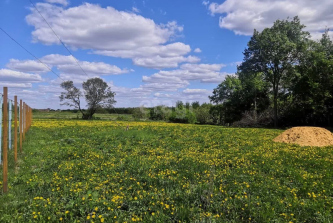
{"x": 285, "y": 79}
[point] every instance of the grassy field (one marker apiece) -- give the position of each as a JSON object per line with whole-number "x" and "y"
{"x": 72, "y": 115}
{"x": 96, "y": 171}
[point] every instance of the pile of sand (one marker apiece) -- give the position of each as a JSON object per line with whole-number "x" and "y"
{"x": 306, "y": 136}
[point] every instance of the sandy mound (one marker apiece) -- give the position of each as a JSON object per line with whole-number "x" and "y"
{"x": 306, "y": 136}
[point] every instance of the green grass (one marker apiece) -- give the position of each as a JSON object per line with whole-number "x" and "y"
{"x": 84, "y": 171}
{"x": 72, "y": 115}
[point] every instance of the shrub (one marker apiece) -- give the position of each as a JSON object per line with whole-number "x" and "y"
{"x": 252, "y": 119}
{"x": 140, "y": 113}
{"x": 190, "y": 117}
{"x": 160, "y": 113}
{"x": 182, "y": 116}
{"x": 203, "y": 115}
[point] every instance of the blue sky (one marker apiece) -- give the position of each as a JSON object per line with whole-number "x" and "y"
{"x": 150, "y": 52}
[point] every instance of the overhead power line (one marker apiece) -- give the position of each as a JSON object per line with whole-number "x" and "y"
{"x": 30, "y": 53}
{"x": 58, "y": 37}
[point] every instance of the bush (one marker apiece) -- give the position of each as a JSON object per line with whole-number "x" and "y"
{"x": 190, "y": 117}
{"x": 182, "y": 116}
{"x": 160, "y": 113}
{"x": 252, "y": 119}
{"x": 140, "y": 113}
{"x": 203, "y": 115}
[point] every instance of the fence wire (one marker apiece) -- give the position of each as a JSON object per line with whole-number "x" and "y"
{"x": 18, "y": 115}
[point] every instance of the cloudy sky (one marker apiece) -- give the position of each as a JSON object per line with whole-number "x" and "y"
{"x": 150, "y": 52}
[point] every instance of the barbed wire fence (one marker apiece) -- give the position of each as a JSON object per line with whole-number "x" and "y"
{"x": 12, "y": 114}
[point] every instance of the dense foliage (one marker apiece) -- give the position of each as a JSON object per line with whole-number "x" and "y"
{"x": 285, "y": 72}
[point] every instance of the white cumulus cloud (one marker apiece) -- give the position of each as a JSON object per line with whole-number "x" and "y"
{"x": 66, "y": 65}
{"x": 243, "y": 16}
{"x": 159, "y": 62}
{"x": 135, "y": 9}
{"x": 7, "y": 75}
{"x": 205, "y": 3}
{"x": 180, "y": 78}
{"x": 90, "y": 26}
{"x": 107, "y": 31}
{"x": 62, "y": 2}
{"x": 196, "y": 91}
{"x": 27, "y": 66}
{"x": 197, "y": 50}
{"x": 15, "y": 85}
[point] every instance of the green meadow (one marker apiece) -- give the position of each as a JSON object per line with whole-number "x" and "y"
{"x": 117, "y": 171}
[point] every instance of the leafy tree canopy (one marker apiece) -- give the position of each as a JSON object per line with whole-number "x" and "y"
{"x": 96, "y": 92}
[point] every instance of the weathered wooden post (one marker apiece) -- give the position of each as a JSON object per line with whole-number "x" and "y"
{"x": 24, "y": 119}
{"x": 4, "y": 140}
{"x": 15, "y": 128}
{"x": 9, "y": 124}
{"x": 1, "y": 96}
{"x": 21, "y": 125}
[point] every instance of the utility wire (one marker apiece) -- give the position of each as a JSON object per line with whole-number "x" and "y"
{"x": 30, "y": 53}
{"x": 58, "y": 37}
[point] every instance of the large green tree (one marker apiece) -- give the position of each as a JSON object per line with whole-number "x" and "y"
{"x": 311, "y": 88}
{"x": 255, "y": 91}
{"x": 96, "y": 92}
{"x": 274, "y": 52}
{"x": 229, "y": 96}
{"x": 240, "y": 93}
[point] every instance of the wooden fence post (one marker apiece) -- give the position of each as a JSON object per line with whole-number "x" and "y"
{"x": 10, "y": 125}
{"x": 24, "y": 118}
{"x": 29, "y": 117}
{"x": 1, "y": 100}
{"x": 15, "y": 128}
{"x": 4, "y": 141}
{"x": 21, "y": 125}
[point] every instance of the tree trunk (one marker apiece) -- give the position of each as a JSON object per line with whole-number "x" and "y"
{"x": 221, "y": 112}
{"x": 255, "y": 107}
{"x": 275, "y": 91}
{"x": 275, "y": 112}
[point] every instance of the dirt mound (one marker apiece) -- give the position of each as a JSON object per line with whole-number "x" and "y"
{"x": 306, "y": 136}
